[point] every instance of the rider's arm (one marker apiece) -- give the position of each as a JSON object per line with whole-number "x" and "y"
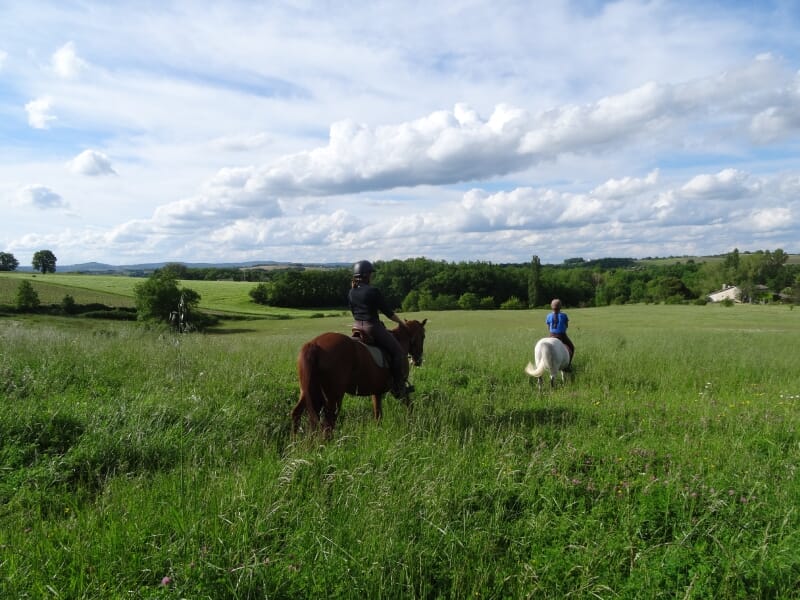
{"x": 397, "y": 320}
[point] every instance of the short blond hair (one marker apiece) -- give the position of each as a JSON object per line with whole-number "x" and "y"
{"x": 556, "y": 303}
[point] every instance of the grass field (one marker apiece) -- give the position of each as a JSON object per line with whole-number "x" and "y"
{"x": 139, "y": 464}
{"x": 117, "y": 291}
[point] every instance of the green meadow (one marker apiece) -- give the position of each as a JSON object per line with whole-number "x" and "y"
{"x": 136, "y": 463}
{"x": 231, "y": 297}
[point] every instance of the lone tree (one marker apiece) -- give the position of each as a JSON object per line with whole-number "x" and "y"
{"x": 535, "y": 283}
{"x": 44, "y": 261}
{"x": 159, "y": 296}
{"x": 8, "y": 262}
{"x": 27, "y": 298}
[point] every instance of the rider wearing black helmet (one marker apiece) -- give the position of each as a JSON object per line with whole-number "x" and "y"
{"x": 366, "y": 301}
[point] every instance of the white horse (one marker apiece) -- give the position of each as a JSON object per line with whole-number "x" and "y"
{"x": 551, "y": 355}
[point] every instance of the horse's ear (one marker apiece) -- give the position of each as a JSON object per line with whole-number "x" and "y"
{"x": 424, "y": 321}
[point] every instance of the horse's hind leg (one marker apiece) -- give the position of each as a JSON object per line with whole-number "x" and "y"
{"x": 297, "y": 413}
{"x": 332, "y": 407}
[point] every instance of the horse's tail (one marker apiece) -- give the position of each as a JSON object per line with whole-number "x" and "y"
{"x": 537, "y": 371}
{"x": 542, "y": 357}
{"x": 308, "y": 371}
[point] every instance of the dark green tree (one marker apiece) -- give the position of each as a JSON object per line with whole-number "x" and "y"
{"x": 535, "y": 283}
{"x": 469, "y": 301}
{"x": 176, "y": 270}
{"x": 27, "y": 298}
{"x": 44, "y": 261}
{"x": 260, "y": 294}
{"x": 8, "y": 262}
{"x": 159, "y": 296}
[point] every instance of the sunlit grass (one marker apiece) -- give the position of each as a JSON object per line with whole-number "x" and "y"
{"x": 667, "y": 467}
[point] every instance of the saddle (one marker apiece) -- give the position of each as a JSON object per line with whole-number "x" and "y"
{"x": 380, "y": 356}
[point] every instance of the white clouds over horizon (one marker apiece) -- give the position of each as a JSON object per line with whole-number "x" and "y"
{"x": 510, "y": 136}
{"x": 92, "y": 163}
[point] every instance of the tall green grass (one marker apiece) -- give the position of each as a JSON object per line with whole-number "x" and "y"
{"x": 139, "y": 464}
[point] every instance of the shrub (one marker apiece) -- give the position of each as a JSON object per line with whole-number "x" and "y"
{"x": 68, "y": 305}
{"x": 469, "y": 301}
{"x": 27, "y": 298}
{"x": 487, "y": 303}
{"x": 513, "y": 303}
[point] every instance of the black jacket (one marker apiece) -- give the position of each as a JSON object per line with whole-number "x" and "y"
{"x": 366, "y": 302}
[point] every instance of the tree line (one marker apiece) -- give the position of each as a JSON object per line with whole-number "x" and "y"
{"x": 421, "y": 284}
{"x": 424, "y": 284}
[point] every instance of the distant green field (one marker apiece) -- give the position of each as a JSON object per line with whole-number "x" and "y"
{"x": 115, "y": 290}
{"x": 85, "y": 289}
{"x": 794, "y": 259}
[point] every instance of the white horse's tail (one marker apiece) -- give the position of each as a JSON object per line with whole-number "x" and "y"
{"x": 535, "y": 371}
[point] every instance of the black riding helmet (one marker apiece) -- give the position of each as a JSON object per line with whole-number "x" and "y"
{"x": 363, "y": 268}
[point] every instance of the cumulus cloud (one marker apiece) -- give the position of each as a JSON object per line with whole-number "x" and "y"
{"x": 727, "y": 184}
{"x": 600, "y": 161}
{"x": 40, "y": 196}
{"x": 778, "y": 218}
{"x": 3, "y": 58}
{"x": 92, "y": 163}
{"x": 39, "y": 112}
{"x": 459, "y": 145}
{"x": 627, "y": 186}
{"x": 66, "y": 63}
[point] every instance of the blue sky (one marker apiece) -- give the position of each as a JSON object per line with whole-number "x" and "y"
{"x": 138, "y": 132}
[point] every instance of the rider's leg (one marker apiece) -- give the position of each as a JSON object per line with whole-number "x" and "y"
{"x": 399, "y": 360}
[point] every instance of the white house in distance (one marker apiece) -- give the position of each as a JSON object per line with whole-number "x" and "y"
{"x": 728, "y": 292}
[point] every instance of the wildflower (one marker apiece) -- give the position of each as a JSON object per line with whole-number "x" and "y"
{"x": 166, "y": 580}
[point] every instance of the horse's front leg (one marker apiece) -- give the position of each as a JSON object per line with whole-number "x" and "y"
{"x": 377, "y": 406}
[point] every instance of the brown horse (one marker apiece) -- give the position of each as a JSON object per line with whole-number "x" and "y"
{"x": 333, "y": 364}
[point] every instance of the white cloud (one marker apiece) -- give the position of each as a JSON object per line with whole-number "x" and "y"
{"x": 40, "y": 196}
{"x": 92, "y": 163}
{"x": 627, "y": 186}
{"x": 779, "y": 218}
{"x": 514, "y": 130}
{"x": 39, "y": 112}
{"x": 66, "y": 63}
{"x": 3, "y": 58}
{"x": 727, "y": 184}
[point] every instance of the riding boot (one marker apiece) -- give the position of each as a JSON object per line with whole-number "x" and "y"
{"x": 401, "y": 389}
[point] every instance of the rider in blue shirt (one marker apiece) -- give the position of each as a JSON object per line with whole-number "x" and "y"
{"x": 557, "y": 323}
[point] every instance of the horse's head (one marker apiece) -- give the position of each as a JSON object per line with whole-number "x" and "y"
{"x": 416, "y": 331}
